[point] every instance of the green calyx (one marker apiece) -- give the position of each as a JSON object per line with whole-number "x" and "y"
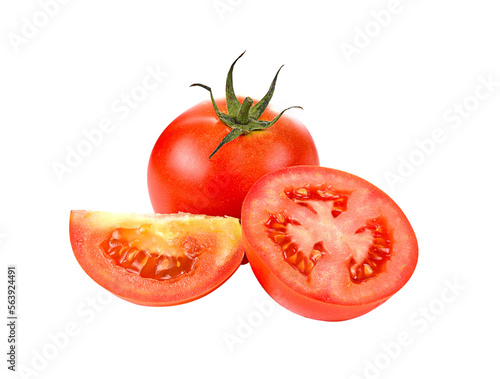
{"x": 242, "y": 118}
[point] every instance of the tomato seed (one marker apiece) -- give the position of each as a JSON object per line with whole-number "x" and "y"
{"x": 301, "y": 192}
{"x": 131, "y": 249}
{"x": 277, "y": 225}
{"x": 378, "y": 254}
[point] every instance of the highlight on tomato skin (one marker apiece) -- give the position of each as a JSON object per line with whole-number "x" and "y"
{"x": 326, "y": 244}
{"x": 155, "y": 259}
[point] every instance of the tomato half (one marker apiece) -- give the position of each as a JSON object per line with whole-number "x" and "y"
{"x": 156, "y": 259}
{"x": 326, "y": 244}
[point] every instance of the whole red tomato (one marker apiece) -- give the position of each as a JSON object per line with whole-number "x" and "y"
{"x": 205, "y": 161}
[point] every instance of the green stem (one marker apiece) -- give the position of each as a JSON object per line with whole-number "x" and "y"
{"x": 242, "y": 117}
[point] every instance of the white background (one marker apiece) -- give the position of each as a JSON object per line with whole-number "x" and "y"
{"x": 365, "y": 111}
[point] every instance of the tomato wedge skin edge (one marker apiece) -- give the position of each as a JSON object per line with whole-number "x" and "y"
{"x": 203, "y": 279}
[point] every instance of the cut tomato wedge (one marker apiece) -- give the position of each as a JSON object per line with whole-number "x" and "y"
{"x": 156, "y": 259}
{"x": 326, "y": 244}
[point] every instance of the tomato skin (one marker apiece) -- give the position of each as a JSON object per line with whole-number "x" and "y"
{"x": 182, "y": 178}
{"x": 298, "y": 303}
{"x": 89, "y": 228}
{"x": 318, "y": 296}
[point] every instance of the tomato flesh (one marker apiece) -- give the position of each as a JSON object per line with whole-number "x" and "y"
{"x": 326, "y": 244}
{"x": 373, "y": 261}
{"x": 156, "y": 259}
{"x": 361, "y": 266}
{"x": 143, "y": 252}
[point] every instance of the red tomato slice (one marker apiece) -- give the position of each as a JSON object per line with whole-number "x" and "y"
{"x": 326, "y": 244}
{"x": 156, "y": 259}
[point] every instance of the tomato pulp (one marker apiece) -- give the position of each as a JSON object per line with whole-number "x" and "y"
{"x": 156, "y": 259}
{"x": 326, "y": 244}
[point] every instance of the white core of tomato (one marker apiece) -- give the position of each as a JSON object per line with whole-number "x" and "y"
{"x": 321, "y": 226}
